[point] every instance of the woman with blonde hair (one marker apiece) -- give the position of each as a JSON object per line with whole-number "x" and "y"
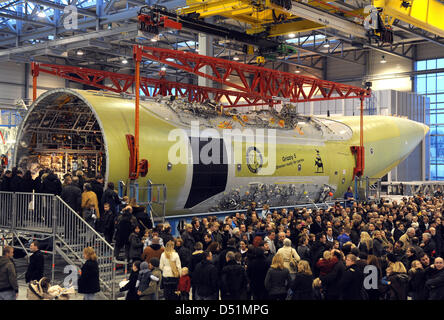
{"x": 277, "y": 279}
{"x": 88, "y": 282}
{"x": 365, "y": 243}
{"x": 302, "y": 285}
{"x": 170, "y": 266}
{"x": 397, "y": 281}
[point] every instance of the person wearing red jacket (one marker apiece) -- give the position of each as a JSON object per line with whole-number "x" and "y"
{"x": 184, "y": 285}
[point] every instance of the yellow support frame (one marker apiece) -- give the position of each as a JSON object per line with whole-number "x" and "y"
{"x": 258, "y": 17}
{"x": 424, "y": 14}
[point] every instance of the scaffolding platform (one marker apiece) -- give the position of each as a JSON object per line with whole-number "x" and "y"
{"x": 411, "y": 188}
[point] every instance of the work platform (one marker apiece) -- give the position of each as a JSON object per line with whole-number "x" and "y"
{"x": 411, "y": 188}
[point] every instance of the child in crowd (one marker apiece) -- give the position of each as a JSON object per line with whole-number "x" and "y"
{"x": 183, "y": 288}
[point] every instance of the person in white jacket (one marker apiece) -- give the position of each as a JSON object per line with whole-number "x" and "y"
{"x": 290, "y": 256}
{"x": 171, "y": 267}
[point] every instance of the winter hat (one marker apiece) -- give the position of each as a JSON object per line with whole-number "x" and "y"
{"x": 155, "y": 262}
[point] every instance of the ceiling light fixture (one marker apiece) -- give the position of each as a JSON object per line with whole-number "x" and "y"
{"x": 41, "y": 13}
{"x": 383, "y": 60}
{"x": 124, "y": 61}
{"x": 298, "y": 70}
{"x": 163, "y": 68}
{"x": 235, "y": 58}
{"x": 80, "y": 53}
{"x": 291, "y": 35}
{"x": 326, "y": 44}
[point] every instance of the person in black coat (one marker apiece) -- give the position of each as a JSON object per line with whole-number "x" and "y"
{"x": 51, "y": 184}
{"x": 6, "y": 181}
{"x": 111, "y": 197}
{"x": 277, "y": 280}
{"x": 131, "y": 285}
{"x": 27, "y": 182}
{"x": 198, "y": 231}
{"x": 36, "y": 263}
{"x": 109, "y": 221}
{"x": 89, "y": 282}
{"x": 72, "y": 195}
{"x": 231, "y": 246}
{"x": 351, "y": 283}
{"x": 97, "y": 187}
{"x": 330, "y": 281}
{"x": 206, "y": 280}
{"x": 16, "y": 182}
{"x": 302, "y": 284}
{"x": 417, "y": 279}
{"x": 435, "y": 284}
{"x": 233, "y": 279}
{"x": 187, "y": 237}
{"x": 136, "y": 245}
{"x": 184, "y": 253}
{"x": 257, "y": 269}
{"x": 125, "y": 224}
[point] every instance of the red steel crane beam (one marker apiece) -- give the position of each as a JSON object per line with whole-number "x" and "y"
{"x": 263, "y": 82}
{"x": 123, "y": 83}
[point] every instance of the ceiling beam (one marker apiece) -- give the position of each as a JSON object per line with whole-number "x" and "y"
{"x": 54, "y": 5}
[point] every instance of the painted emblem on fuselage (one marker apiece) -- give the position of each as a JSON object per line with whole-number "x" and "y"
{"x": 254, "y": 159}
{"x": 318, "y": 163}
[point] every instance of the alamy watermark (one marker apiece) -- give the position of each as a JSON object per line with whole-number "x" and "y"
{"x": 257, "y": 147}
{"x": 71, "y": 20}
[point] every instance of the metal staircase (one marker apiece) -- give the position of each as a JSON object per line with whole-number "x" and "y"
{"x": 48, "y": 216}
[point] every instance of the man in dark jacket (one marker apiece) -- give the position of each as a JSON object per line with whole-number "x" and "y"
{"x": 184, "y": 253}
{"x": 110, "y": 196}
{"x": 125, "y": 224}
{"x": 198, "y": 231}
{"x": 109, "y": 222}
{"x": 6, "y": 181}
{"x": 16, "y": 181}
{"x": 72, "y": 195}
{"x": 8, "y": 275}
{"x": 136, "y": 245}
{"x": 231, "y": 246}
{"x": 435, "y": 284}
{"x": 36, "y": 263}
{"x": 97, "y": 186}
{"x": 52, "y": 184}
{"x": 233, "y": 279}
{"x": 205, "y": 278}
{"x": 257, "y": 271}
{"x": 187, "y": 237}
{"x": 352, "y": 280}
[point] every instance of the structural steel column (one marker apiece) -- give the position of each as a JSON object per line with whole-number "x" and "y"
{"x": 206, "y": 49}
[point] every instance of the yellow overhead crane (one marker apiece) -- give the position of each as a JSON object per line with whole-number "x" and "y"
{"x": 271, "y": 16}
{"x": 425, "y": 14}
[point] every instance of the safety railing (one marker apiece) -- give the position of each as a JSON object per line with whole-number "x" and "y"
{"x": 367, "y": 188}
{"x": 50, "y": 215}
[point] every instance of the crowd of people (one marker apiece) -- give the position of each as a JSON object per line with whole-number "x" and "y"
{"x": 288, "y": 254}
